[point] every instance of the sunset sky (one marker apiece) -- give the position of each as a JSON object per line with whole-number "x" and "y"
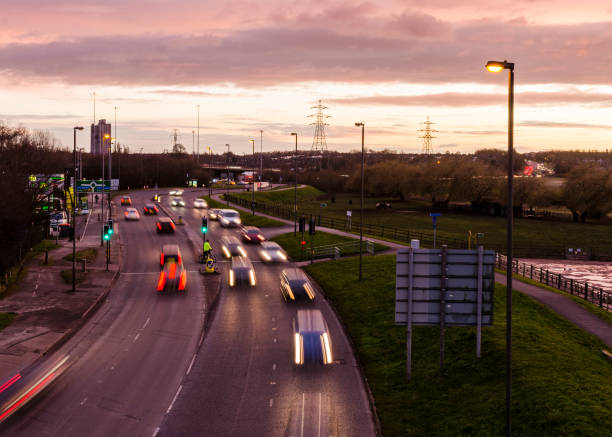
{"x": 263, "y": 64}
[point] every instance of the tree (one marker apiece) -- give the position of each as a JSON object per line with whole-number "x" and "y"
{"x": 588, "y": 191}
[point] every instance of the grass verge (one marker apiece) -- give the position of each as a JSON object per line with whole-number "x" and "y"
{"x": 247, "y": 218}
{"x": 559, "y": 373}
{"x": 292, "y": 245}
{"x": 6, "y": 319}
{"x": 89, "y": 255}
{"x": 67, "y": 276}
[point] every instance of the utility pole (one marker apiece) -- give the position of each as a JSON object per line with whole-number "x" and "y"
{"x": 74, "y": 195}
{"x": 198, "y": 160}
{"x": 427, "y": 137}
{"x": 252, "y": 141}
{"x": 261, "y": 156}
{"x": 295, "y": 187}
{"x": 227, "y": 175}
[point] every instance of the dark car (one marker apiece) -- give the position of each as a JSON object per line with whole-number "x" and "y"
{"x": 170, "y": 253}
{"x": 164, "y": 224}
{"x": 294, "y": 284}
{"x": 126, "y": 200}
{"x": 241, "y": 271}
{"x": 311, "y": 339}
{"x": 251, "y": 234}
{"x": 150, "y": 209}
{"x": 173, "y": 277}
{"x": 230, "y": 246}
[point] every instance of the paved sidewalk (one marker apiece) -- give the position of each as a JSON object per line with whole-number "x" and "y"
{"x": 44, "y": 303}
{"x": 559, "y": 303}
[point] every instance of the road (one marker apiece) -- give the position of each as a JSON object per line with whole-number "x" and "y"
{"x": 140, "y": 370}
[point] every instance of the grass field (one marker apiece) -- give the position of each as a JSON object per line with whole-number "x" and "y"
{"x": 6, "y": 319}
{"x": 560, "y": 378}
{"x": 246, "y": 218}
{"x": 89, "y": 255}
{"x": 292, "y": 245}
{"x": 414, "y": 215}
{"x": 67, "y": 276}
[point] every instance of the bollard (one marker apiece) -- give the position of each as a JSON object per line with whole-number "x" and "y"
{"x": 180, "y": 220}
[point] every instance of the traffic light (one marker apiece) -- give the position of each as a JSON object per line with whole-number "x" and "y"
{"x": 106, "y": 235}
{"x": 303, "y": 244}
{"x": 302, "y": 226}
{"x": 311, "y": 226}
{"x": 110, "y": 227}
{"x": 204, "y": 225}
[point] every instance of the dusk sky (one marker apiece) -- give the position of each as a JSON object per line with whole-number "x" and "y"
{"x": 263, "y": 64}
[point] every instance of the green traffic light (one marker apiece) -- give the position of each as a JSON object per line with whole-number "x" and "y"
{"x": 110, "y": 231}
{"x": 106, "y": 237}
{"x": 204, "y": 229}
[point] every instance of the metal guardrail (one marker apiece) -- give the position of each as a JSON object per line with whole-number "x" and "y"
{"x": 335, "y": 250}
{"x": 584, "y": 290}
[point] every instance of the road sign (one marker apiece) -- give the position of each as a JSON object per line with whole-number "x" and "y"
{"x": 96, "y": 185}
{"x": 434, "y": 218}
{"x": 323, "y": 205}
{"x": 349, "y": 213}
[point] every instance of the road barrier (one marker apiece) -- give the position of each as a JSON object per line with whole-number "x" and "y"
{"x": 596, "y": 295}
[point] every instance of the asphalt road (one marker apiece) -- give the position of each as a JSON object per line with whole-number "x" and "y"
{"x": 243, "y": 381}
{"x": 136, "y": 368}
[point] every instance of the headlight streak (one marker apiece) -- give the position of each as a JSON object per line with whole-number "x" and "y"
{"x": 226, "y": 252}
{"x": 297, "y": 347}
{"x": 327, "y": 349}
{"x": 231, "y": 278}
{"x": 241, "y": 250}
{"x": 282, "y": 255}
{"x": 252, "y": 277}
{"x": 309, "y": 291}
{"x": 264, "y": 255}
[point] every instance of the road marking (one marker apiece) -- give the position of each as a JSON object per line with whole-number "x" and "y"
{"x": 156, "y": 431}
{"x": 274, "y": 366}
{"x": 201, "y": 340}
{"x": 112, "y": 367}
{"x": 36, "y": 286}
{"x": 272, "y": 382}
{"x": 303, "y": 402}
{"x": 274, "y": 328}
{"x": 174, "y": 400}
{"x": 271, "y": 402}
{"x": 319, "y": 428}
{"x": 146, "y": 323}
{"x": 191, "y": 365}
{"x": 136, "y": 338}
{"x": 266, "y": 295}
{"x": 274, "y": 339}
{"x": 83, "y": 401}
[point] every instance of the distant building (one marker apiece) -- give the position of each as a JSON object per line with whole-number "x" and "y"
{"x": 97, "y": 133}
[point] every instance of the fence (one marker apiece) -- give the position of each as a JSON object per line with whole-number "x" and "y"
{"x": 584, "y": 290}
{"x": 336, "y": 250}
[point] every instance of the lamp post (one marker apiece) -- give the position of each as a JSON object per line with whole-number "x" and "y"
{"x": 198, "y": 160}
{"x": 103, "y": 152}
{"x": 227, "y": 175}
{"x": 495, "y": 67}
{"x": 295, "y": 187}
{"x": 210, "y": 173}
{"x": 110, "y": 149}
{"x": 252, "y": 141}
{"x": 74, "y": 194}
{"x": 261, "y": 156}
{"x": 361, "y": 202}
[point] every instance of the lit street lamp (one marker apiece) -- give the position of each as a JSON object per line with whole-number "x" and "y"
{"x": 74, "y": 195}
{"x": 252, "y": 141}
{"x": 295, "y": 187}
{"x": 103, "y": 152}
{"x": 496, "y": 67}
{"x": 361, "y": 203}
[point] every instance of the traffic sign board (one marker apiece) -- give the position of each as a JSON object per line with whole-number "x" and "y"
{"x": 96, "y": 185}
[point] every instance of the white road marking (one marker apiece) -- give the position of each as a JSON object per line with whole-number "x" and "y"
{"x": 303, "y": 402}
{"x": 156, "y": 431}
{"x": 266, "y": 295}
{"x": 136, "y": 338}
{"x": 191, "y": 365}
{"x": 274, "y": 366}
{"x": 272, "y": 382}
{"x": 274, "y": 328}
{"x": 274, "y": 339}
{"x": 112, "y": 367}
{"x": 83, "y": 401}
{"x": 36, "y": 286}
{"x": 174, "y": 400}
{"x": 146, "y": 323}
{"x": 271, "y": 402}
{"x": 319, "y": 427}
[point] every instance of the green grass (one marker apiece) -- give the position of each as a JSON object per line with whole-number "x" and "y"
{"x": 247, "y": 218}
{"x": 6, "y": 319}
{"x": 67, "y": 276}
{"x": 414, "y": 215}
{"x": 292, "y": 245}
{"x": 560, "y": 378}
{"x": 15, "y": 273}
{"x": 89, "y": 255}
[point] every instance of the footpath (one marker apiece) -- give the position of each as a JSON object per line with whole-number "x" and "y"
{"x": 47, "y": 311}
{"x": 562, "y": 305}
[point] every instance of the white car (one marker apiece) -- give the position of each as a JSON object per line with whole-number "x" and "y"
{"x": 272, "y": 252}
{"x": 241, "y": 271}
{"x": 200, "y": 203}
{"x": 131, "y": 214}
{"x": 177, "y": 202}
{"x": 229, "y": 217}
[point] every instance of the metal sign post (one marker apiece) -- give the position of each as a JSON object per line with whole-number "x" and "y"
{"x": 479, "y": 302}
{"x": 434, "y": 219}
{"x": 409, "y": 324}
{"x": 443, "y": 280}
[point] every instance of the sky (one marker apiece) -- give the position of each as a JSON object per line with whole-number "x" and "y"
{"x": 264, "y": 64}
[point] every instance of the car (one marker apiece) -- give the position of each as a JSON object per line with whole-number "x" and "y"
{"x": 84, "y": 211}
{"x": 170, "y": 253}
{"x": 272, "y": 252}
{"x": 150, "y": 209}
{"x": 172, "y": 193}
{"x": 165, "y": 224}
{"x": 173, "y": 277}
{"x": 131, "y": 214}
{"x": 229, "y": 218}
{"x": 57, "y": 218}
{"x": 177, "y": 202}
{"x": 241, "y": 271}
{"x": 156, "y": 198}
{"x": 126, "y": 200}
{"x": 230, "y": 246}
{"x": 200, "y": 203}
{"x": 251, "y": 234}
{"x": 214, "y": 213}
{"x": 311, "y": 339}
{"x": 294, "y": 284}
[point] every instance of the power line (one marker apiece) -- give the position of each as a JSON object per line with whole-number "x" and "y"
{"x": 319, "y": 141}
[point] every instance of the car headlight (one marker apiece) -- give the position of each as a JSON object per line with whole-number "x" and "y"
{"x": 327, "y": 359}
{"x": 231, "y": 278}
{"x": 226, "y": 252}
{"x": 265, "y": 256}
{"x": 252, "y": 277}
{"x": 282, "y": 255}
{"x": 241, "y": 250}
{"x": 297, "y": 348}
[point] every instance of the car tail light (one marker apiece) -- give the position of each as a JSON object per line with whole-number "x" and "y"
{"x": 183, "y": 281}
{"x": 125, "y": 213}
{"x": 162, "y": 281}
{"x": 172, "y": 271}
{"x": 161, "y": 261}
{"x": 172, "y": 224}
{"x": 156, "y": 210}
{"x": 180, "y": 259}
{"x": 159, "y": 226}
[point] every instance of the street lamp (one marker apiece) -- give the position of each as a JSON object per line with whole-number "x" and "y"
{"x": 252, "y": 141}
{"x": 361, "y": 203}
{"x": 74, "y": 193}
{"x": 210, "y": 173}
{"x": 496, "y": 67}
{"x": 295, "y": 187}
{"x": 198, "y": 160}
{"x": 227, "y": 175}
{"x": 261, "y": 156}
{"x": 105, "y": 137}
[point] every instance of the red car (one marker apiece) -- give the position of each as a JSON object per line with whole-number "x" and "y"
{"x": 251, "y": 234}
{"x": 150, "y": 209}
{"x": 173, "y": 277}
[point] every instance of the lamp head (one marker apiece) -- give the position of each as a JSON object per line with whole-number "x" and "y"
{"x": 251, "y": 140}
{"x": 106, "y": 136}
{"x": 359, "y": 124}
{"x": 497, "y": 66}
{"x": 294, "y": 133}
{"x": 78, "y": 127}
